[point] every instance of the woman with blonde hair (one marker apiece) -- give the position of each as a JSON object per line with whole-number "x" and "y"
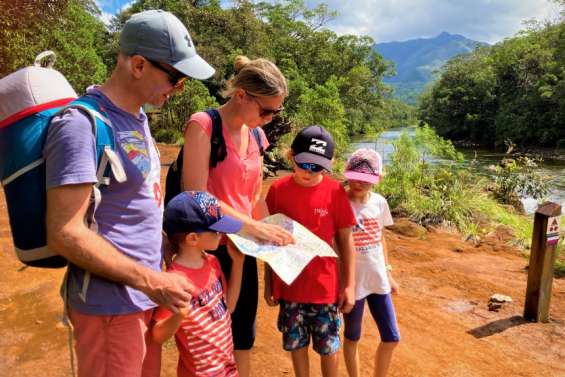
{"x": 255, "y": 95}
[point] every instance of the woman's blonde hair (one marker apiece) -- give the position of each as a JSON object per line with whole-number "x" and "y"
{"x": 259, "y": 78}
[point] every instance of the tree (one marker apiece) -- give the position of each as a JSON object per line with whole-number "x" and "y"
{"x": 513, "y": 90}
{"x": 68, "y": 27}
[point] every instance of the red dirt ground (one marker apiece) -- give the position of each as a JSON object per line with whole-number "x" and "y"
{"x": 445, "y": 324}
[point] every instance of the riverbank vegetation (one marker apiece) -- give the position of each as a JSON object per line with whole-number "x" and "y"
{"x": 514, "y": 90}
{"x": 451, "y": 195}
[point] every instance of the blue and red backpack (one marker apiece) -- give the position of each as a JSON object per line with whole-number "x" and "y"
{"x": 29, "y": 99}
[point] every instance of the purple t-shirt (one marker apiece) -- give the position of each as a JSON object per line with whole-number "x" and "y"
{"x": 130, "y": 215}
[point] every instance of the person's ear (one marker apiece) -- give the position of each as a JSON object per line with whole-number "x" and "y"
{"x": 240, "y": 95}
{"x": 191, "y": 238}
{"x": 138, "y": 65}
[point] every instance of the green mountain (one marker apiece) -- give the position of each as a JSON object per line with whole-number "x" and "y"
{"x": 418, "y": 60}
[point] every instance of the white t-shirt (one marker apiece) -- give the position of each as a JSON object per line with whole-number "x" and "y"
{"x": 371, "y": 274}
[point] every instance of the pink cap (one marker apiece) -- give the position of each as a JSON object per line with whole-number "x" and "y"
{"x": 364, "y": 165}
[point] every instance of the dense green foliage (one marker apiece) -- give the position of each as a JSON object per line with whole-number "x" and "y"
{"x": 334, "y": 80}
{"x": 177, "y": 110}
{"x": 69, "y": 27}
{"x": 513, "y": 90}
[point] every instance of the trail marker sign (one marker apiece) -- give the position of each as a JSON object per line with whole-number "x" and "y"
{"x": 542, "y": 257}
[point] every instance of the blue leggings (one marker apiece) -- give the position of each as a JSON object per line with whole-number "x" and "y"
{"x": 382, "y": 310}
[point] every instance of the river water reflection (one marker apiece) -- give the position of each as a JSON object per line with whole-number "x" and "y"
{"x": 484, "y": 158}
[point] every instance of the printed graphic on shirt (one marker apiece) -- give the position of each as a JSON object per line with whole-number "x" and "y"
{"x": 155, "y": 176}
{"x": 217, "y": 311}
{"x": 321, "y": 212}
{"x": 205, "y": 334}
{"x": 367, "y": 234}
{"x": 133, "y": 143}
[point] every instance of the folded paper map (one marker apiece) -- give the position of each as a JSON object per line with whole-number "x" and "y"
{"x": 287, "y": 261}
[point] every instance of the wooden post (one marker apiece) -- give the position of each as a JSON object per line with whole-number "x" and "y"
{"x": 542, "y": 258}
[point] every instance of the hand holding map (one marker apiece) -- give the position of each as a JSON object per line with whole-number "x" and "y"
{"x": 287, "y": 261}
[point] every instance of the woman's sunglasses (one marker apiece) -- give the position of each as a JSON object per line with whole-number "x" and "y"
{"x": 175, "y": 77}
{"x": 264, "y": 111}
{"x": 314, "y": 168}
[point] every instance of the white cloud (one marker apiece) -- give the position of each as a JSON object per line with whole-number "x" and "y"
{"x": 106, "y": 18}
{"x": 110, "y": 8}
{"x": 396, "y": 20}
{"x": 481, "y": 20}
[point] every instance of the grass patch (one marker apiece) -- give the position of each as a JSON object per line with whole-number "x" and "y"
{"x": 500, "y": 214}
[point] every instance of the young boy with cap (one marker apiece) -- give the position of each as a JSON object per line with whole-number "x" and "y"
{"x": 194, "y": 223}
{"x": 309, "y": 307}
{"x": 373, "y": 281}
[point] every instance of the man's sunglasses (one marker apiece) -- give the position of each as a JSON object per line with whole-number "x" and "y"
{"x": 175, "y": 77}
{"x": 263, "y": 111}
{"x": 314, "y": 168}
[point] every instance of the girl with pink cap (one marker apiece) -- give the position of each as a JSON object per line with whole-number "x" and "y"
{"x": 373, "y": 282}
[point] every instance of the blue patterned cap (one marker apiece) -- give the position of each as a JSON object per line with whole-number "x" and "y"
{"x": 197, "y": 211}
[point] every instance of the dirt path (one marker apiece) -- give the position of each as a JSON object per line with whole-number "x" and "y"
{"x": 445, "y": 325}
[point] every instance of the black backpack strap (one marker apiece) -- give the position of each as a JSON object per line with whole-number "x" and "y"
{"x": 218, "y": 150}
{"x": 173, "y": 181}
{"x": 257, "y": 135}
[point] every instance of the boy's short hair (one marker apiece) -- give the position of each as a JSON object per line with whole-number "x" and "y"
{"x": 314, "y": 145}
{"x": 197, "y": 211}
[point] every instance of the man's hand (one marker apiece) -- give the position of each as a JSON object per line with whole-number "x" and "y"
{"x": 346, "y": 300}
{"x": 169, "y": 290}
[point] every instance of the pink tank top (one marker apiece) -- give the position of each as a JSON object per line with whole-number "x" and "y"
{"x": 236, "y": 179}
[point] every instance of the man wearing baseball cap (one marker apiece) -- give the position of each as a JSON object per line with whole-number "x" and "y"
{"x": 114, "y": 279}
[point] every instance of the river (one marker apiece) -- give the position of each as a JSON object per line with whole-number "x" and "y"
{"x": 484, "y": 158}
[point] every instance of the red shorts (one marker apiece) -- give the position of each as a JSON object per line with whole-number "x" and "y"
{"x": 115, "y": 345}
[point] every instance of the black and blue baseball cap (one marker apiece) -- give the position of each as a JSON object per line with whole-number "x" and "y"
{"x": 197, "y": 211}
{"x": 314, "y": 145}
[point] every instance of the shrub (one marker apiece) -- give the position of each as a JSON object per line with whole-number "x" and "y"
{"x": 431, "y": 194}
{"x": 518, "y": 177}
{"x": 169, "y": 136}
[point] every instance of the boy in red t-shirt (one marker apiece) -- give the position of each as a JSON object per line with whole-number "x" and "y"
{"x": 309, "y": 307}
{"x": 193, "y": 222}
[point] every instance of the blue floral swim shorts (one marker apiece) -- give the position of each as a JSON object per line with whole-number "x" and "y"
{"x": 298, "y": 322}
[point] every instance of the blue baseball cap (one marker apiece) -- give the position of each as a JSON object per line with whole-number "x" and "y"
{"x": 160, "y": 36}
{"x": 197, "y": 211}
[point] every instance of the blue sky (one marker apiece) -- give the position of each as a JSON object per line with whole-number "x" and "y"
{"x": 396, "y": 20}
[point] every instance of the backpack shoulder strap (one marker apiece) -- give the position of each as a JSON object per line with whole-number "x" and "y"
{"x": 218, "y": 150}
{"x": 257, "y": 135}
{"x": 106, "y": 158}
